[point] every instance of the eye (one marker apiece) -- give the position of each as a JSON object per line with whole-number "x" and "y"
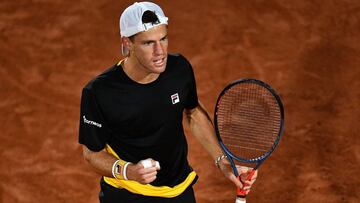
{"x": 148, "y": 43}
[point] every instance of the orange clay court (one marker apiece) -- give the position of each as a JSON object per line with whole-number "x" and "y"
{"x": 309, "y": 51}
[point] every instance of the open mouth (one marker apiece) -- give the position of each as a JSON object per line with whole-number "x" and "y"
{"x": 159, "y": 62}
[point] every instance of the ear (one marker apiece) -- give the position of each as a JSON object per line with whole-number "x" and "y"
{"x": 126, "y": 45}
{"x": 126, "y": 42}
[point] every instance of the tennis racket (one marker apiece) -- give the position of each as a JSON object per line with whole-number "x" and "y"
{"x": 249, "y": 122}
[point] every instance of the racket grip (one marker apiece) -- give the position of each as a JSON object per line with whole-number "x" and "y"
{"x": 240, "y": 192}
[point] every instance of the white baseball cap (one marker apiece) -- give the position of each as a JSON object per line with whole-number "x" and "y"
{"x": 131, "y": 19}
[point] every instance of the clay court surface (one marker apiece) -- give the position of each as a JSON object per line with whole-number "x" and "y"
{"x": 309, "y": 51}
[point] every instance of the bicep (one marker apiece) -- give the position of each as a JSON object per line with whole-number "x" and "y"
{"x": 197, "y": 115}
{"x": 93, "y": 130}
{"x": 198, "y": 111}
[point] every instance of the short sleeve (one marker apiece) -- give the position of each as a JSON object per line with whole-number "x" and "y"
{"x": 192, "y": 97}
{"x": 93, "y": 132}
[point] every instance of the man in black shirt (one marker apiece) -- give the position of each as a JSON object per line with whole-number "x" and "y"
{"x": 131, "y": 117}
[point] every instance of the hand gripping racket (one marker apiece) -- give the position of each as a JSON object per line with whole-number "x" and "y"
{"x": 249, "y": 121}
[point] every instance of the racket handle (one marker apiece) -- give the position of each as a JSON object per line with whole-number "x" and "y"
{"x": 240, "y": 200}
{"x": 240, "y": 192}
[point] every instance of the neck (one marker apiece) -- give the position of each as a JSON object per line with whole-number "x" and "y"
{"x": 137, "y": 72}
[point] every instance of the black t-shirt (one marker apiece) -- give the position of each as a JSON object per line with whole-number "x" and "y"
{"x": 140, "y": 121}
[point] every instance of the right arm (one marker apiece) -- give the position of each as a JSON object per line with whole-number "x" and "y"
{"x": 102, "y": 163}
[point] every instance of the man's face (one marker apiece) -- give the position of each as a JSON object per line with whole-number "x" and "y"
{"x": 149, "y": 49}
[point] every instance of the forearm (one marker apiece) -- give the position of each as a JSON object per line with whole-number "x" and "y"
{"x": 202, "y": 128}
{"x": 101, "y": 162}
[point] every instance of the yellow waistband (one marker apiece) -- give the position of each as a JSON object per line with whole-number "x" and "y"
{"x": 149, "y": 190}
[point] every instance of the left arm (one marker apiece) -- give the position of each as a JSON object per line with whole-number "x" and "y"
{"x": 202, "y": 128}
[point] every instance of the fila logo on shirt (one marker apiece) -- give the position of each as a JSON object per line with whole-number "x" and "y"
{"x": 175, "y": 98}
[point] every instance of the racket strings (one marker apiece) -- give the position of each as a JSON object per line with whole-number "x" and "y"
{"x": 248, "y": 119}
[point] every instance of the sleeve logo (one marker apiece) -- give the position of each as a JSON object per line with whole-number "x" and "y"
{"x": 91, "y": 122}
{"x": 175, "y": 98}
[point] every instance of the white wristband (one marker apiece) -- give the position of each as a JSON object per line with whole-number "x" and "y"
{"x": 124, "y": 170}
{"x": 114, "y": 167}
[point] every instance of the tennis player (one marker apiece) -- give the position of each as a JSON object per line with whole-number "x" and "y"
{"x": 131, "y": 118}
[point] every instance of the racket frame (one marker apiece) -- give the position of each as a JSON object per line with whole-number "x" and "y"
{"x": 230, "y": 156}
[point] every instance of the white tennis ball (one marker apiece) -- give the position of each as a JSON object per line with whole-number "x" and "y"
{"x": 146, "y": 163}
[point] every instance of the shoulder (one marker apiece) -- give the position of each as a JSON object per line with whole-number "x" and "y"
{"x": 178, "y": 63}
{"x": 105, "y": 77}
{"x": 178, "y": 59}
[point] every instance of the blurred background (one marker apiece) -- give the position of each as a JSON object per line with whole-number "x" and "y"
{"x": 309, "y": 51}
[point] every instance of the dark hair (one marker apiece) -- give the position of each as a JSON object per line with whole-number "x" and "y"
{"x": 150, "y": 17}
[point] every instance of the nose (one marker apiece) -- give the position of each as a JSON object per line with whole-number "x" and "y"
{"x": 158, "y": 49}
